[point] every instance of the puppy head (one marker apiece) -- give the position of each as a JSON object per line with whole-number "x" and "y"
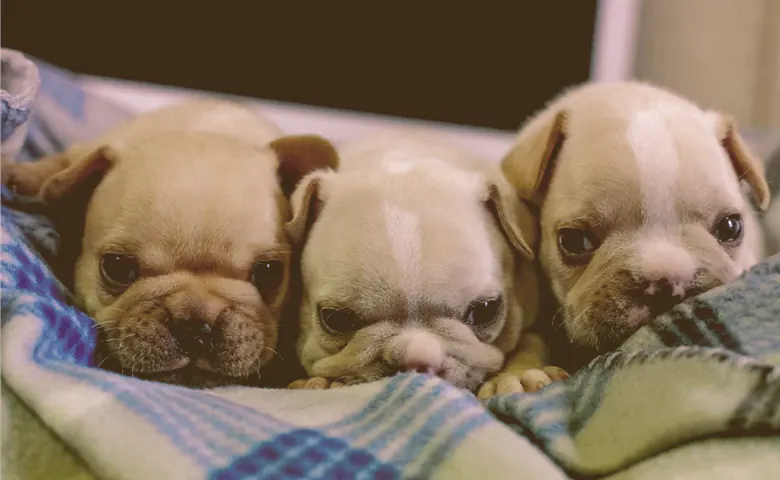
{"x": 414, "y": 269}
{"x": 640, "y": 203}
{"x": 185, "y": 261}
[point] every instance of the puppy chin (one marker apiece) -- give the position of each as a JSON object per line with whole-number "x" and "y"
{"x": 383, "y": 350}
{"x": 136, "y": 331}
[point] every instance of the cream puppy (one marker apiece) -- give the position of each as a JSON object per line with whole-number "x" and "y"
{"x": 640, "y": 204}
{"x": 416, "y": 256}
{"x": 175, "y": 225}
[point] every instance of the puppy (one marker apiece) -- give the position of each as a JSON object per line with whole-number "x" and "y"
{"x": 179, "y": 245}
{"x": 640, "y": 204}
{"x": 416, "y": 256}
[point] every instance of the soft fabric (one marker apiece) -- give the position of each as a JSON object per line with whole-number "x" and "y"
{"x": 695, "y": 395}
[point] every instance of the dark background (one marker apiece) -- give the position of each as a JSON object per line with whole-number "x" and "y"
{"x": 487, "y": 64}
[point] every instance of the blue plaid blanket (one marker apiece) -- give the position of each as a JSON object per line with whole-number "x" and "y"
{"x": 694, "y": 395}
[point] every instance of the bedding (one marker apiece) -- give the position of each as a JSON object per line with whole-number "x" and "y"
{"x": 694, "y": 395}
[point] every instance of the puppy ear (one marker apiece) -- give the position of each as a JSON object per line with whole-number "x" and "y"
{"x": 747, "y": 165}
{"x": 27, "y": 178}
{"x": 515, "y": 220}
{"x": 79, "y": 178}
{"x": 300, "y": 154}
{"x": 528, "y": 165}
{"x": 306, "y": 204}
{"x": 67, "y": 194}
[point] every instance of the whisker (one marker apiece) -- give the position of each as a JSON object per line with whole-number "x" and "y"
{"x": 275, "y": 352}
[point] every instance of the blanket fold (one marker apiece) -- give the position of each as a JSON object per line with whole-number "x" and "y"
{"x": 694, "y": 395}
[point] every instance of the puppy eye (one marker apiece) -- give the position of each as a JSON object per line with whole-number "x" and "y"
{"x": 576, "y": 244}
{"x": 339, "y": 321}
{"x": 482, "y": 312}
{"x": 729, "y": 229}
{"x": 266, "y": 276}
{"x": 118, "y": 269}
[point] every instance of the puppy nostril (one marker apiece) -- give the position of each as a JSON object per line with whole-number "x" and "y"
{"x": 423, "y": 368}
{"x": 661, "y": 295}
{"x": 194, "y": 336}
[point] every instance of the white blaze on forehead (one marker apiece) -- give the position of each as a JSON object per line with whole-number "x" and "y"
{"x": 397, "y": 161}
{"x": 405, "y": 238}
{"x": 397, "y": 166}
{"x": 657, "y": 160}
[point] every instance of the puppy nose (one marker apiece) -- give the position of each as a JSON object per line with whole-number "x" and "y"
{"x": 663, "y": 294}
{"x": 424, "y": 354}
{"x": 194, "y": 336}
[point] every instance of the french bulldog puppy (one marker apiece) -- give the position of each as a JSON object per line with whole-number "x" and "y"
{"x": 640, "y": 203}
{"x": 416, "y": 256}
{"x": 175, "y": 222}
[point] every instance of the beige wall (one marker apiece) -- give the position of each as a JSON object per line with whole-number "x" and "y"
{"x": 723, "y": 54}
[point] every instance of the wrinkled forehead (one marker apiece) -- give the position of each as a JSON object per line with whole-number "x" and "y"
{"x": 654, "y": 164}
{"x": 200, "y": 212}
{"x": 370, "y": 249}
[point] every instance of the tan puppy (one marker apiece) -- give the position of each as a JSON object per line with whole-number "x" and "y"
{"x": 640, "y": 204}
{"x": 184, "y": 260}
{"x": 416, "y": 257}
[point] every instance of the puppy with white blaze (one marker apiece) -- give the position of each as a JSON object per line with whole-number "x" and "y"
{"x": 642, "y": 200}
{"x": 416, "y": 256}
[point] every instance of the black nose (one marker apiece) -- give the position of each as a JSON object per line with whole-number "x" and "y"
{"x": 194, "y": 336}
{"x": 662, "y": 295}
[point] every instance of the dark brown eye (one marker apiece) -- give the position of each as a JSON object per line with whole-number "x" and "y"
{"x": 339, "y": 321}
{"x": 576, "y": 245}
{"x": 267, "y": 276}
{"x": 729, "y": 229}
{"x": 482, "y": 312}
{"x": 118, "y": 269}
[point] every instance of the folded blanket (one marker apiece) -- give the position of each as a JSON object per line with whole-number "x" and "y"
{"x": 694, "y": 395}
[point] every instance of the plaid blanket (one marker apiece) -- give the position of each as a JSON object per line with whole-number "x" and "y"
{"x": 694, "y": 395}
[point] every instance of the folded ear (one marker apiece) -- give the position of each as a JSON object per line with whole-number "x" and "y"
{"x": 515, "y": 219}
{"x": 306, "y": 204}
{"x": 528, "y": 165}
{"x": 300, "y": 154}
{"x": 79, "y": 178}
{"x": 747, "y": 165}
{"x": 27, "y": 178}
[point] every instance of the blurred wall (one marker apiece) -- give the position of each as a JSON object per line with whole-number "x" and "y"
{"x": 489, "y": 66}
{"x": 723, "y": 54}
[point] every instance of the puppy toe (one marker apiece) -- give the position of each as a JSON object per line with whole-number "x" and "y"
{"x": 338, "y": 384}
{"x": 487, "y": 390}
{"x": 534, "y": 380}
{"x": 317, "y": 383}
{"x": 297, "y": 385}
{"x": 556, "y": 373}
{"x": 506, "y": 384}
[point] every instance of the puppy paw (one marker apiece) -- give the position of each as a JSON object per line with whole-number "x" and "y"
{"x": 316, "y": 383}
{"x": 531, "y": 380}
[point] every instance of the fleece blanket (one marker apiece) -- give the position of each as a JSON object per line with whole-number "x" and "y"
{"x": 694, "y": 395}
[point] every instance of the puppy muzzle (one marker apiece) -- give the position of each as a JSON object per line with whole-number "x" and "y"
{"x": 464, "y": 363}
{"x": 185, "y": 332}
